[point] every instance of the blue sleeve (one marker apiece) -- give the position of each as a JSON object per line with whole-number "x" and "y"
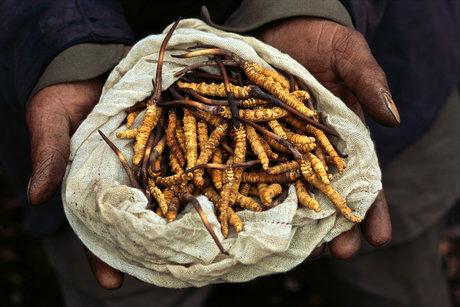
{"x": 34, "y": 32}
{"x": 366, "y": 15}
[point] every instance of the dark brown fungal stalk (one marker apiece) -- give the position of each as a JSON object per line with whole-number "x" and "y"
{"x": 152, "y": 112}
{"x": 302, "y": 86}
{"x": 143, "y": 171}
{"x": 154, "y": 155}
{"x": 218, "y": 102}
{"x": 239, "y": 78}
{"x": 200, "y": 46}
{"x": 158, "y": 76}
{"x": 256, "y": 92}
{"x": 123, "y": 161}
{"x": 292, "y": 83}
{"x": 205, "y": 100}
{"x": 174, "y": 93}
{"x": 209, "y": 52}
{"x": 140, "y": 105}
{"x": 263, "y": 177}
{"x": 280, "y": 198}
{"x": 208, "y": 166}
{"x": 145, "y": 160}
{"x": 247, "y": 164}
{"x": 227, "y": 148}
{"x": 194, "y": 66}
{"x": 297, "y": 155}
{"x": 188, "y": 198}
{"x": 191, "y": 103}
{"x": 231, "y": 99}
{"x": 209, "y": 76}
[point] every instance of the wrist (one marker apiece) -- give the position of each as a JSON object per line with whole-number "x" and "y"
{"x": 81, "y": 62}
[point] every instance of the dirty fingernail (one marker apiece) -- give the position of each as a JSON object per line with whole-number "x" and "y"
{"x": 391, "y": 106}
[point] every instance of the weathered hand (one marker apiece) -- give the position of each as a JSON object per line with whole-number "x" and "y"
{"x": 341, "y": 60}
{"x": 53, "y": 115}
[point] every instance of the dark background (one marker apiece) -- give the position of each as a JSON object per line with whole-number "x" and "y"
{"x": 28, "y": 280}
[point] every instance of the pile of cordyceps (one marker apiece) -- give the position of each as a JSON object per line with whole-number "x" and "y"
{"x": 240, "y": 137}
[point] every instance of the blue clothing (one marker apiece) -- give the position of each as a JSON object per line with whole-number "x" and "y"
{"x": 417, "y": 43}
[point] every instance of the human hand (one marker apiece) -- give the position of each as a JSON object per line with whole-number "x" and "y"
{"x": 53, "y": 114}
{"x": 341, "y": 60}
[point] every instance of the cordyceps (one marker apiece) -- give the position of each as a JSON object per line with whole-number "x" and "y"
{"x": 241, "y": 144}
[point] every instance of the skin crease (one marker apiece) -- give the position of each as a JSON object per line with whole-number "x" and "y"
{"x": 337, "y": 56}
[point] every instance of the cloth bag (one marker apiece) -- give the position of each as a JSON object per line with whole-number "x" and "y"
{"x": 110, "y": 217}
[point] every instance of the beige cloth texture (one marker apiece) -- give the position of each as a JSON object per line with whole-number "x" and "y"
{"x": 110, "y": 217}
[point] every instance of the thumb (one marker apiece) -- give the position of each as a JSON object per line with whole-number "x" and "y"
{"x": 49, "y": 129}
{"x": 106, "y": 276}
{"x": 361, "y": 73}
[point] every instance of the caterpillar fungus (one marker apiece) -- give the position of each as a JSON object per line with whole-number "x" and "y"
{"x": 241, "y": 143}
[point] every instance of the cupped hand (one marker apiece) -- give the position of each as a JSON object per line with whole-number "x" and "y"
{"x": 340, "y": 58}
{"x": 53, "y": 114}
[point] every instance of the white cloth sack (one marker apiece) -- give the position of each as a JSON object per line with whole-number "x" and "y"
{"x": 110, "y": 217}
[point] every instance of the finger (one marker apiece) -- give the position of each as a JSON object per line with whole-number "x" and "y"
{"x": 361, "y": 73}
{"x": 376, "y": 226}
{"x": 346, "y": 244}
{"x": 106, "y": 276}
{"x": 49, "y": 134}
{"x": 317, "y": 252}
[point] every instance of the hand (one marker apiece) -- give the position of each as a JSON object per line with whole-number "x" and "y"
{"x": 341, "y": 60}
{"x": 53, "y": 115}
